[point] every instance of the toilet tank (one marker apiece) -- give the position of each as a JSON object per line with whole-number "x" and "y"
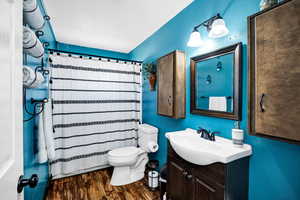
{"x": 147, "y": 135}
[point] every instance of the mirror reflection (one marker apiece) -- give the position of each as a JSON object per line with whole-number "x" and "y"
{"x": 214, "y": 83}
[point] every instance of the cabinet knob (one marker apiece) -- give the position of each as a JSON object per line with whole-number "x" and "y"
{"x": 190, "y": 176}
{"x": 184, "y": 173}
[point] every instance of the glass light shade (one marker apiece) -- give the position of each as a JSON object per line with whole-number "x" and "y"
{"x": 218, "y": 29}
{"x": 195, "y": 39}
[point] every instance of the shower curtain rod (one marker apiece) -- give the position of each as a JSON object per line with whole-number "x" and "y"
{"x": 51, "y": 51}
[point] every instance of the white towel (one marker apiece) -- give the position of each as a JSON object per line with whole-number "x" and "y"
{"x": 28, "y": 75}
{"x": 218, "y": 103}
{"x": 42, "y": 151}
{"x": 38, "y": 81}
{"x": 31, "y": 44}
{"x": 48, "y": 130}
{"x": 32, "y": 15}
{"x": 46, "y": 150}
{"x": 29, "y": 80}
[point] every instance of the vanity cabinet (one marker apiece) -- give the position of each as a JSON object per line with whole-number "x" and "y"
{"x": 187, "y": 181}
{"x": 171, "y": 85}
{"x": 183, "y": 185}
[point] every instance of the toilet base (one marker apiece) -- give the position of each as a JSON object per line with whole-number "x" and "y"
{"x": 120, "y": 176}
{"x": 123, "y": 175}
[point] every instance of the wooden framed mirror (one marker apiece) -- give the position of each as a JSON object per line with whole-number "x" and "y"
{"x": 216, "y": 83}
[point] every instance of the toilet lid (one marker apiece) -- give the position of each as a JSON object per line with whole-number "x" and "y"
{"x": 124, "y": 151}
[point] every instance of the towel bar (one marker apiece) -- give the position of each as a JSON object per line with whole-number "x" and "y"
{"x": 32, "y": 100}
{"x": 203, "y": 97}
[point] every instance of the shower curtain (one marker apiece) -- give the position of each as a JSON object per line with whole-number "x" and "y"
{"x": 96, "y": 108}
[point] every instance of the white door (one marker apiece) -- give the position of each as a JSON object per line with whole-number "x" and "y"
{"x": 11, "y": 119}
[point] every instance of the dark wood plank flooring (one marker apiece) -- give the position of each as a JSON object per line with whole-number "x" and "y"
{"x": 96, "y": 186}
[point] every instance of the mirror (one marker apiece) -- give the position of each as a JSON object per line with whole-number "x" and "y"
{"x": 215, "y": 83}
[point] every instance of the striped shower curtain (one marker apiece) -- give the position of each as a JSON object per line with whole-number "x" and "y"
{"x": 96, "y": 108}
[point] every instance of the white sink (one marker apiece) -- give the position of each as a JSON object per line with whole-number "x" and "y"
{"x": 191, "y": 147}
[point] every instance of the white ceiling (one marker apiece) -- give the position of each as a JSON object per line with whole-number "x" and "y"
{"x": 117, "y": 25}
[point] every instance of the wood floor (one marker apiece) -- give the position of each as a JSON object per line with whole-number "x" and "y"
{"x": 96, "y": 186}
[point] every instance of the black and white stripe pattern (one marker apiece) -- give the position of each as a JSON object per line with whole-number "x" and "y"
{"x": 96, "y": 108}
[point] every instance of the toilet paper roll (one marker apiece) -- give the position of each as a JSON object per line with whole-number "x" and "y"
{"x": 39, "y": 80}
{"x": 29, "y": 79}
{"x": 28, "y": 75}
{"x": 32, "y": 15}
{"x": 31, "y": 44}
{"x": 152, "y": 147}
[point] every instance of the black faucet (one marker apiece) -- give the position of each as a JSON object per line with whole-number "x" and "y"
{"x": 208, "y": 135}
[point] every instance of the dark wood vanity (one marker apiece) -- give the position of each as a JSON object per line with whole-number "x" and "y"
{"x": 187, "y": 181}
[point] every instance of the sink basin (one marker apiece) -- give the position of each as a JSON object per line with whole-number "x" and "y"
{"x": 191, "y": 147}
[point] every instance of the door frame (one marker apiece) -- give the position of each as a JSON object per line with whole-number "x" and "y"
{"x": 12, "y": 166}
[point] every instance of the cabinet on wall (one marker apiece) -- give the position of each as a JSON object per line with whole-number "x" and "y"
{"x": 171, "y": 85}
{"x": 274, "y": 72}
{"x": 187, "y": 181}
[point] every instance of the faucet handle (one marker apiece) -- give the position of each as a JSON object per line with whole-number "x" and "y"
{"x": 200, "y": 129}
{"x": 212, "y": 135}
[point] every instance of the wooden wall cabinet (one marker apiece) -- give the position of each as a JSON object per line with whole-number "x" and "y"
{"x": 217, "y": 181}
{"x": 274, "y": 72}
{"x": 171, "y": 90}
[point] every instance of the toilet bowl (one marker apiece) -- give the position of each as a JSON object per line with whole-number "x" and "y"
{"x": 129, "y": 162}
{"x": 129, "y": 165}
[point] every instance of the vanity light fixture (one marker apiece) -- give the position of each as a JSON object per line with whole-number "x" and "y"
{"x": 215, "y": 27}
{"x": 195, "y": 39}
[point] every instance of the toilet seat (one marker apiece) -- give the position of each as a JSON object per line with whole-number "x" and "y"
{"x": 124, "y": 152}
{"x": 123, "y": 156}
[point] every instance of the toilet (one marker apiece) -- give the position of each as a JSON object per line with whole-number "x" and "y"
{"x": 129, "y": 162}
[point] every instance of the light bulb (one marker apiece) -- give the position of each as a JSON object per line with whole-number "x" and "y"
{"x": 195, "y": 39}
{"x": 218, "y": 29}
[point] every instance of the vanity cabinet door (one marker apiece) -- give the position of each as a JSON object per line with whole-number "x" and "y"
{"x": 209, "y": 182}
{"x": 180, "y": 184}
{"x": 203, "y": 191}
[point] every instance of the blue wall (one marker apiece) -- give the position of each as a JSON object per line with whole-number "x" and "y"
{"x": 31, "y": 166}
{"x": 274, "y": 165}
